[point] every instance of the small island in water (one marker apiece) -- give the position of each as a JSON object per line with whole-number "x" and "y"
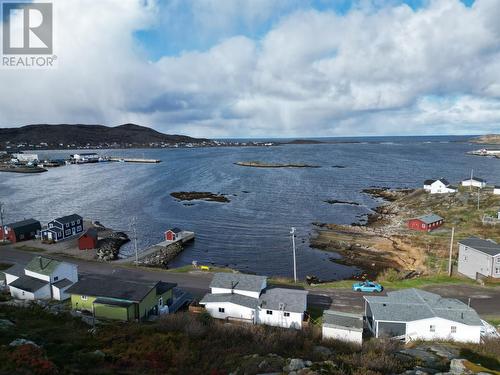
{"x": 199, "y": 195}
{"x": 259, "y": 164}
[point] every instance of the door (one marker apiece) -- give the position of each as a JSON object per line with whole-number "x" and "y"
{"x": 73, "y": 231}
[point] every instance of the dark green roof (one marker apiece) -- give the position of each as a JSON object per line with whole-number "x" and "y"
{"x": 28, "y": 284}
{"x": 42, "y": 265}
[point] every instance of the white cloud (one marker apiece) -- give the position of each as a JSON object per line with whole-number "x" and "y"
{"x": 388, "y": 70}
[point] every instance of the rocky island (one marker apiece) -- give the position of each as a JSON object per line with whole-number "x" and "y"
{"x": 491, "y": 139}
{"x": 259, "y": 164}
{"x": 200, "y": 195}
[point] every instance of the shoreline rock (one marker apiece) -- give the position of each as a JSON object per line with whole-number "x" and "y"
{"x": 199, "y": 195}
{"x": 259, "y": 164}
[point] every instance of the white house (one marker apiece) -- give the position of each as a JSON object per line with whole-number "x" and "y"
{"x": 479, "y": 258}
{"x": 247, "y": 298}
{"x": 496, "y": 190}
{"x": 414, "y": 314}
{"x": 42, "y": 278}
{"x": 474, "y": 182}
{"x": 25, "y": 158}
{"x": 343, "y": 326}
{"x": 440, "y": 186}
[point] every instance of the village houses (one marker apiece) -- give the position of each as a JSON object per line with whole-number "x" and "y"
{"x": 474, "y": 182}
{"x": 41, "y": 278}
{"x": 247, "y": 298}
{"x": 414, "y": 314}
{"x": 62, "y": 228}
{"x": 20, "y": 231}
{"x": 479, "y": 258}
{"x": 439, "y": 186}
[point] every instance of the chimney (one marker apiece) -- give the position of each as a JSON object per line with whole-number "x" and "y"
{"x": 40, "y": 260}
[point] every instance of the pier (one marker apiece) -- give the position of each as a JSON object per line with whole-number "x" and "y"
{"x": 135, "y": 160}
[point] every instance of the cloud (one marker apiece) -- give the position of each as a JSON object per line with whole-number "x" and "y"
{"x": 374, "y": 70}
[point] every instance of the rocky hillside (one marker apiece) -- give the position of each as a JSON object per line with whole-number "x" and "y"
{"x": 78, "y": 135}
{"x": 491, "y": 139}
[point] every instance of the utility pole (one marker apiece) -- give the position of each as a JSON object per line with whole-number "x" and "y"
{"x": 1, "y": 220}
{"x": 478, "y": 195}
{"x": 451, "y": 251}
{"x": 134, "y": 231}
{"x": 471, "y": 176}
{"x": 292, "y": 232}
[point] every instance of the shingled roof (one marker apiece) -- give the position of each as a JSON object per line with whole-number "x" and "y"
{"x": 489, "y": 247}
{"x": 237, "y": 299}
{"x": 238, "y": 281}
{"x": 429, "y": 218}
{"x": 42, "y": 265}
{"x": 292, "y": 300}
{"x": 414, "y": 304}
{"x": 341, "y": 319}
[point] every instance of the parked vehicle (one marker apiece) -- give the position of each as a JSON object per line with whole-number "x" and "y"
{"x": 367, "y": 286}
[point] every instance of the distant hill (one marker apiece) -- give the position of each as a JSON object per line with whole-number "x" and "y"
{"x": 78, "y": 135}
{"x": 492, "y": 139}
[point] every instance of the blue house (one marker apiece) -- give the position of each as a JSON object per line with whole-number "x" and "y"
{"x": 63, "y": 227}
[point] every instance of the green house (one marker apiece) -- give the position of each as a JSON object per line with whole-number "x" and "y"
{"x": 117, "y": 299}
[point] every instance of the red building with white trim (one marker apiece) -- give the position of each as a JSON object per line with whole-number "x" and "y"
{"x": 88, "y": 240}
{"x": 426, "y": 222}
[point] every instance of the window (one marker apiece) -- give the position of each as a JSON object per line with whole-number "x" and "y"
{"x": 84, "y": 298}
{"x": 286, "y": 313}
{"x": 498, "y": 260}
{"x": 453, "y": 329}
{"x": 67, "y": 225}
{"x": 432, "y": 328}
{"x": 423, "y": 225}
{"x": 56, "y": 278}
{"x": 269, "y": 312}
{"x": 72, "y": 223}
{"x": 51, "y": 225}
{"x": 78, "y": 221}
{"x": 68, "y": 232}
{"x": 497, "y": 270}
{"x": 222, "y": 309}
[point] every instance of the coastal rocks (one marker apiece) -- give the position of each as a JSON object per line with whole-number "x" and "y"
{"x": 109, "y": 247}
{"x": 336, "y": 201}
{"x": 163, "y": 256}
{"x": 259, "y": 164}
{"x": 6, "y": 324}
{"x": 199, "y": 195}
{"x": 19, "y": 342}
{"x": 294, "y": 364}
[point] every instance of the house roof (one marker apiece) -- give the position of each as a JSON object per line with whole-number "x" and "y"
{"x": 489, "y": 247}
{"x": 237, "y": 299}
{"x": 107, "y": 287}
{"x": 16, "y": 270}
{"x": 175, "y": 230}
{"x": 414, "y": 304}
{"x": 238, "y": 281}
{"x": 474, "y": 179}
{"x": 68, "y": 219}
{"x": 429, "y": 218}
{"x": 333, "y": 318}
{"x": 292, "y": 300}
{"x": 429, "y": 182}
{"x": 25, "y": 223}
{"x": 28, "y": 284}
{"x": 62, "y": 283}
{"x": 90, "y": 232}
{"x": 42, "y": 265}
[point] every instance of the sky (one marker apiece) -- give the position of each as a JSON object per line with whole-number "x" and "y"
{"x": 267, "y": 68}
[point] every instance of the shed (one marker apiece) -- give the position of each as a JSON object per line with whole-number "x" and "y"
{"x": 173, "y": 234}
{"x": 88, "y": 240}
{"x": 343, "y": 326}
{"x": 20, "y": 230}
{"x": 426, "y": 222}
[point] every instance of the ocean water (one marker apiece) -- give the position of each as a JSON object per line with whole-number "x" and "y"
{"x": 251, "y": 233}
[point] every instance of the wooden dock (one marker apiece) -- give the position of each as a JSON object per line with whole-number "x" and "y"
{"x": 135, "y": 160}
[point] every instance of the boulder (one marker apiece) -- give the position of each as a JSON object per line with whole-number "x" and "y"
{"x": 322, "y": 351}
{"x": 295, "y": 364}
{"x": 19, "y": 342}
{"x": 457, "y": 367}
{"x": 5, "y": 324}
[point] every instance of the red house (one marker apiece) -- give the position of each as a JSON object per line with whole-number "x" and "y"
{"x": 173, "y": 234}
{"x": 426, "y": 222}
{"x": 88, "y": 240}
{"x": 20, "y": 231}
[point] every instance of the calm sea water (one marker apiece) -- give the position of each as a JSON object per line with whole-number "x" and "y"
{"x": 251, "y": 233}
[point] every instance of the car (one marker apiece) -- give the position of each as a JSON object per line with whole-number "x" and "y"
{"x": 367, "y": 286}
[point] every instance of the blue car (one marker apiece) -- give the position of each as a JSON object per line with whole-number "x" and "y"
{"x": 367, "y": 286}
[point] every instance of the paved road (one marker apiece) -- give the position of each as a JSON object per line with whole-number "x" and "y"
{"x": 486, "y": 301}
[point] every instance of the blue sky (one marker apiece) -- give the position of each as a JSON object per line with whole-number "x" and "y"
{"x": 178, "y": 31}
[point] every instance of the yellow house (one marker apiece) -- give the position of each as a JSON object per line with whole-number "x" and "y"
{"x": 118, "y": 299}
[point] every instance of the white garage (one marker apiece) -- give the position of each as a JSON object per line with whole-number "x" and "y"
{"x": 343, "y": 326}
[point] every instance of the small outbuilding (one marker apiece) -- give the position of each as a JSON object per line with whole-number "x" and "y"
{"x": 426, "y": 222}
{"x": 88, "y": 240}
{"x": 496, "y": 190}
{"x": 173, "y": 234}
{"x": 343, "y": 326}
{"x": 20, "y": 231}
{"x": 474, "y": 182}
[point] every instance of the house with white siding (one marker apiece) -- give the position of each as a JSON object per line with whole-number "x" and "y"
{"x": 496, "y": 190}
{"x": 414, "y": 314}
{"x": 439, "y": 186}
{"x": 474, "y": 182}
{"x": 247, "y": 298}
{"x": 478, "y": 258}
{"x": 42, "y": 278}
{"x": 338, "y": 325}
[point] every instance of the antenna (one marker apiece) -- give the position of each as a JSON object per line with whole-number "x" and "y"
{"x": 292, "y": 232}
{"x": 1, "y": 220}
{"x": 451, "y": 251}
